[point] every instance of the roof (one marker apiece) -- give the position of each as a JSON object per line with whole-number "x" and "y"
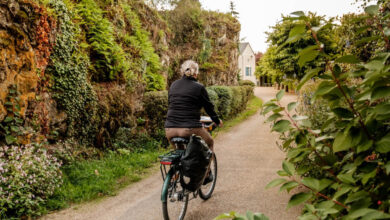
{"x": 243, "y": 46}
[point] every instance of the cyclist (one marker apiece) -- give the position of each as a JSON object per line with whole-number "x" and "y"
{"x": 186, "y": 97}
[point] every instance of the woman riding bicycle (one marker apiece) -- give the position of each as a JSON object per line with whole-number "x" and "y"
{"x": 186, "y": 97}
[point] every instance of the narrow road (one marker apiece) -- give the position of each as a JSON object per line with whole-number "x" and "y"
{"x": 248, "y": 159}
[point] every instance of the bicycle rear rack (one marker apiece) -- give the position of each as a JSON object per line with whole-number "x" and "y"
{"x": 172, "y": 158}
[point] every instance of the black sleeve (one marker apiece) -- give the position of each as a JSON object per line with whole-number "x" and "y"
{"x": 208, "y": 105}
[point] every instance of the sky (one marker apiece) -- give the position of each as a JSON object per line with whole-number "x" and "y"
{"x": 256, "y": 16}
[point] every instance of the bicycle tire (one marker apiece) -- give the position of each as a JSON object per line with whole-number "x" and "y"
{"x": 166, "y": 199}
{"x": 214, "y": 171}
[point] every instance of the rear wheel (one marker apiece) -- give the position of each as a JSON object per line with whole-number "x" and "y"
{"x": 205, "y": 191}
{"x": 176, "y": 199}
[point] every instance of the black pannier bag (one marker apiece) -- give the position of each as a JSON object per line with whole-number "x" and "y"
{"x": 195, "y": 162}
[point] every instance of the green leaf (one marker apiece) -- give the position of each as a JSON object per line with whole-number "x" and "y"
{"x": 342, "y": 142}
{"x": 269, "y": 108}
{"x": 309, "y": 74}
{"x": 280, "y": 95}
{"x": 312, "y": 183}
{"x": 380, "y": 92}
{"x": 376, "y": 214}
{"x": 383, "y": 145}
{"x": 359, "y": 213}
{"x": 351, "y": 59}
{"x": 346, "y": 178}
{"x": 298, "y": 14}
{"x": 368, "y": 176}
{"x": 8, "y": 119}
{"x": 298, "y": 199}
{"x": 344, "y": 189}
{"x": 372, "y": 9}
{"x": 365, "y": 146}
{"x": 291, "y": 106}
{"x": 387, "y": 167}
{"x": 281, "y": 126}
{"x": 298, "y": 29}
{"x": 15, "y": 129}
{"x": 9, "y": 139}
{"x": 342, "y": 112}
{"x": 382, "y": 109}
{"x": 288, "y": 186}
{"x": 288, "y": 167}
{"x": 352, "y": 197}
{"x": 315, "y": 184}
{"x": 308, "y": 54}
{"x": 274, "y": 117}
{"x": 324, "y": 88}
{"x": 275, "y": 182}
{"x": 282, "y": 173}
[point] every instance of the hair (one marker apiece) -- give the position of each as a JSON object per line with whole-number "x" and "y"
{"x": 189, "y": 68}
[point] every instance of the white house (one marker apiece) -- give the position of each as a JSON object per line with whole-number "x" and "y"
{"x": 247, "y": 62}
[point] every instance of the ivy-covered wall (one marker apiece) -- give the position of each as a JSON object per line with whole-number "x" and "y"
{"x": 80, "y": 68}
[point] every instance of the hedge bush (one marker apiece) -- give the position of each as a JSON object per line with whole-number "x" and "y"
{"x": 225, "y": 97}
{"x": 246, "y": 83}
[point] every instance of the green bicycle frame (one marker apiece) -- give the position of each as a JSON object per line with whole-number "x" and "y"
{"x": 166, "y": 183}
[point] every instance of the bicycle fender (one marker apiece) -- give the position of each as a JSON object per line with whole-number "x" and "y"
{"x": 164, "y": 190}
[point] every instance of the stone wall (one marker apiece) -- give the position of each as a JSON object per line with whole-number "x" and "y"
{"x": 26, "y": 37}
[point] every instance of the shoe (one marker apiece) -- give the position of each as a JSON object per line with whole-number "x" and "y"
{"x": 208, "y": 179}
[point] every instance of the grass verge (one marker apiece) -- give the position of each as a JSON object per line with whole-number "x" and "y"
{"x": 252, "y": 108}
{"x": 91, "y": 179}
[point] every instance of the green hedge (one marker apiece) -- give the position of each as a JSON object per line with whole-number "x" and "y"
{"x": 246, "y": 83}
{"x": 231, "y": 99}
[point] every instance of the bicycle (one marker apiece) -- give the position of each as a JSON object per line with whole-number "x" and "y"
{"x": 174, "y": 197}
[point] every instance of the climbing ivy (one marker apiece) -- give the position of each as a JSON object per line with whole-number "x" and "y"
{"x": 69, "y": 73}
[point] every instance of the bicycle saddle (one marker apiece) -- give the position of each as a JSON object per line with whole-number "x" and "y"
{"x": 180, "y": 140}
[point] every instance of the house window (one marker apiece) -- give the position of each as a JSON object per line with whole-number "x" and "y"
{"x": 248, "y": 71}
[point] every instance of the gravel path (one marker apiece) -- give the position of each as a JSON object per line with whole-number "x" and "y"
{"x": 248, "y": 159}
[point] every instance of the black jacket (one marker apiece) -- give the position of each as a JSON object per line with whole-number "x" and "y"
{"x": 186, "y": 97}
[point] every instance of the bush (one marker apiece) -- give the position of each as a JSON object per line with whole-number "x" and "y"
{"x": 155, "y": 110}
{"x": 315, "y": 109}
{"x": 351, "y": 149}
{"x": 225, "y": 96}
{"x": 238, "y": 98}
{"x": 126, "y": 139}
{"x": 28, "y": 176}
{"x": 246, "y": 83}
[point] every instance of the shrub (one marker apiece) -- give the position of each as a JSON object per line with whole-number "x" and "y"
{"x": 315, "y": 109}
{"x": 246, "y": 83}
{"x": 225, "y": 96}
{"x": 238, "y": 99}
{"x": 351, "y": 149}
{"x": 126, "y": 139}
{"x": 213, "y": 97}
{"x": 28, "y": 176}
{"x": 155, "y": 110}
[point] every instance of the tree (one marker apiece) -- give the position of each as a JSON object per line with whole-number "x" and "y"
{"x": 233, "y": 11}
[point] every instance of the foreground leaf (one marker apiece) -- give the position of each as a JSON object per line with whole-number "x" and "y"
{"x": 281, "y": 126}
{"x": 298, "y": 199}
{"x": 383, "y": 145}
{"x": 275, "y": 182}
